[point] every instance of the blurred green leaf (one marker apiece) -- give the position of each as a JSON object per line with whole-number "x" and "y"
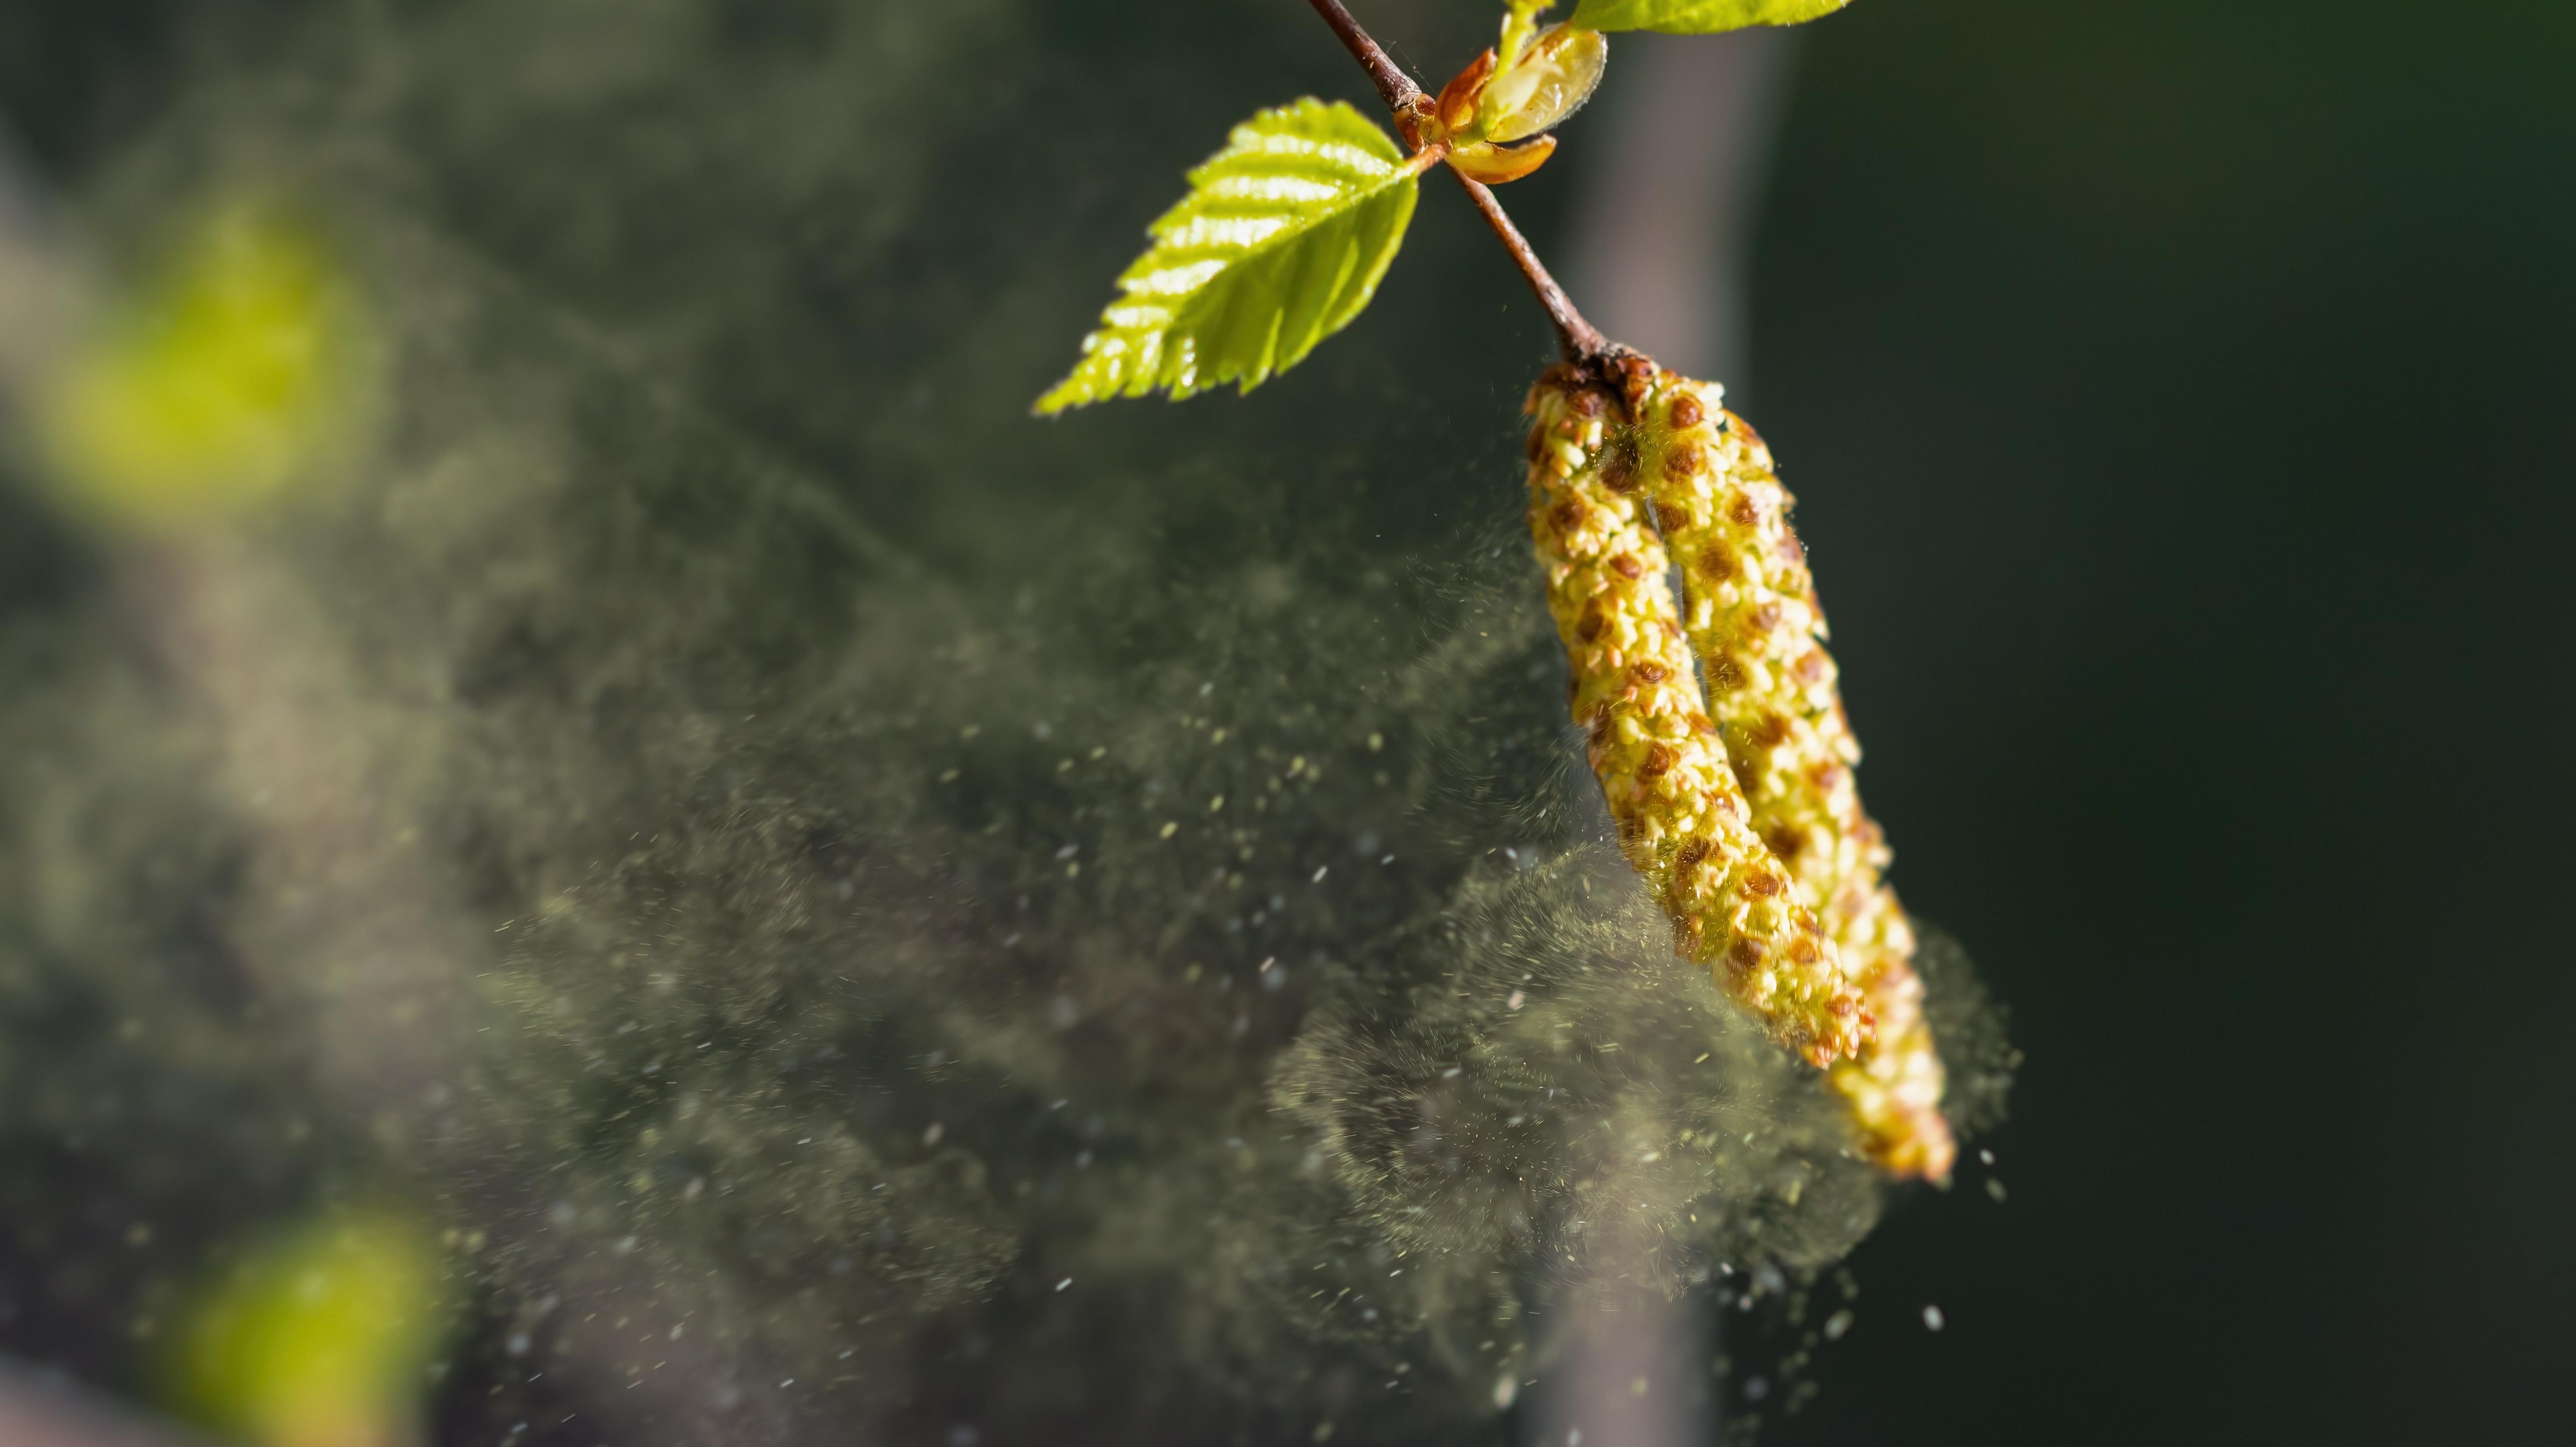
{"x": 320, "y": 1337}
{"x": 1279, "y": 244}
{"x": 221, "y": 384}
{"x": 1697, "y": 17}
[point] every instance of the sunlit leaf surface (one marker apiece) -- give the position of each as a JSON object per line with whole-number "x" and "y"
{"x": 1697, "y": 17}
{"x": 1279, "y": 244}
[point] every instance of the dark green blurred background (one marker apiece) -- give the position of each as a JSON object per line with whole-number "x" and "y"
{"x": 2178, "y": 398}
{"x": 2179, "y": 394}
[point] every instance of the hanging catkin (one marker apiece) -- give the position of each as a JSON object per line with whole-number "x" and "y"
{"x": 1682, "y": 818}
{"x": 1751, "y": 616}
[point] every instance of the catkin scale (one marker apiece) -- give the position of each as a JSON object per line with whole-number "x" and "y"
{"x": 1752, "y": 620}
{"x": 1683, "y": 820}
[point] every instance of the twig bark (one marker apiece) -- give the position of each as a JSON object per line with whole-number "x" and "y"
{"x": 1580, "y": 339}
{"x": 1393, "y": 85}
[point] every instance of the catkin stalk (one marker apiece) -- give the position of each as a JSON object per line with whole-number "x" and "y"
{"x": 1752, "y": 620}
{"x": 1682, "y": 818}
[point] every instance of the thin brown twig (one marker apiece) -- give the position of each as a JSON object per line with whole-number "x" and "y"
{"x": 1581, "y": 341}
{"x": 1393, "y": 86}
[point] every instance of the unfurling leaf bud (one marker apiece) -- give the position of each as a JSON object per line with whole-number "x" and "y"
{"x": 1457, "y": 108}
{"x": 1549, "y": 82}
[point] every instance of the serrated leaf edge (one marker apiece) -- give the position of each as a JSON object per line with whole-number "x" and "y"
{"x": 1149, "y": 276}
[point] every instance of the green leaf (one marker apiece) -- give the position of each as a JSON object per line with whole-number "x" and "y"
{"x": 1279, "y": 244}
{"x": 1697, "y": 17}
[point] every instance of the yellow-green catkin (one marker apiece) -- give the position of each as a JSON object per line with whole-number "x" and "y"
{"x": 1682, "y": 819}
{"x": 1752, "y": 619}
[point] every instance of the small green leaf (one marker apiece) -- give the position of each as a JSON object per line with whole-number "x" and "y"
{"x": 1697, "y": 17}
{"x": 1279, "y": 244}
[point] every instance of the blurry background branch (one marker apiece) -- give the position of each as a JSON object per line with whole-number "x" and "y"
{"x": 1670, "y": 180}
{"x": 1668, "y": 197}
{"x": 47, "y": 1411}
